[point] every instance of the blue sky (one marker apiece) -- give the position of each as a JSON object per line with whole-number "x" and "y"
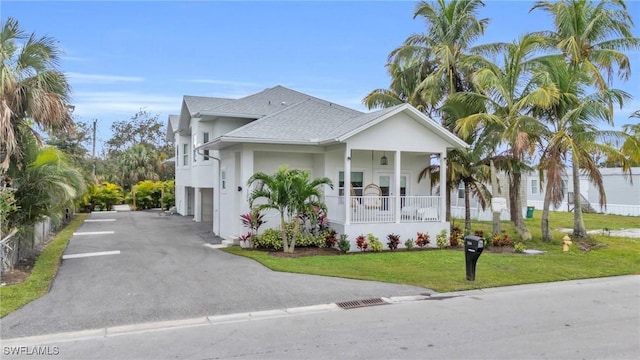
{"x": 121, "y": 56}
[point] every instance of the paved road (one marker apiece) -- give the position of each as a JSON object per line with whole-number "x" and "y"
{"x": 164, "y": 272}
{"x": 584, "y": 319}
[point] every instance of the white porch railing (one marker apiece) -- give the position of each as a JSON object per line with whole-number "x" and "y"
{"x": 381, "y": 209}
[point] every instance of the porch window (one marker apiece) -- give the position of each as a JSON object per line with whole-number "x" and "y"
{"x": 195, "y": 153}
{"x": 565, "y": 187}
{"x": 205, "y": 139}
{"x": 356, "y": 182}
{"x": 223, "y": 179}
{"x": 461, "y": 191}
{"x": 534, "y": 186}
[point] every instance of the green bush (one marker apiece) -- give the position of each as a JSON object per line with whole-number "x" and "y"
{"x": 344, "y": 245}
{"x": 148, "y": 194}
{"x": 442, "y": 240}
{"x": 310, "y": 240}
{"x": 519, "y": 247}
{"x": 102, "y": 197}
{"x": 408, "y": 244}
{"x": 374, "y": 243}
{"x": 270, "y": 239}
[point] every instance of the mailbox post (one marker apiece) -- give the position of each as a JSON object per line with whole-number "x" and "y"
{"x": 473, "y": 246}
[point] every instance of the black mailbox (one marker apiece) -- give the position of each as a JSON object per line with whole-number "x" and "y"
{"x": 473, "y": 246}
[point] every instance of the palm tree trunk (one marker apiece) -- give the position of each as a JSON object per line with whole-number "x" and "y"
{"x": 544, "y": 223}
{"x": 578, "y": 223}
{"x": 514, "y": 191}
{"x": 448, "y": 202}
{"x": 283, "y": 227}
{"x": 467, "y": 208}
{"x": 296, "y": 228}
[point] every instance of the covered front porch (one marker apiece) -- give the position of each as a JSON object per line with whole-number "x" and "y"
{"x": 377, "y": 191}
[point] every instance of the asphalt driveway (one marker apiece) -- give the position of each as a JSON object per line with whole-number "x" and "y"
{"x": 163, "y": 272}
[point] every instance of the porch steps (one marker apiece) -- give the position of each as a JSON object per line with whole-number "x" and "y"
{"x": 224, "y": 244}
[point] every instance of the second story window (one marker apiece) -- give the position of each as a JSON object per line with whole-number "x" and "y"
{"x": 195, "y": 153}
{"x": 205, "y": 139}
{"x": 185, "y": 154}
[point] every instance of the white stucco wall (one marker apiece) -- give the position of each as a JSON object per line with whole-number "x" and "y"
{"x": 400, "y": 132}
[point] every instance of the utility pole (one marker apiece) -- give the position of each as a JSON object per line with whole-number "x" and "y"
{"x": 93, "y": 151}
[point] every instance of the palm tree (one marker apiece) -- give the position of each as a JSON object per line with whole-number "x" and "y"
{"x": 32, "y": 89}
{"x": 45, "y": 188}
{"x": 305, "y": 198}
{"x": 590, "y": 38}
{"x": 431, "y": 66}
{"x": 406, "y": 76}
{"x": 290, "y": 192}
{"x": 631, "y": 146}
{"x": 510, "y": 92}
{"x": 572, "y": 128}
{"x": 135, "y": 164}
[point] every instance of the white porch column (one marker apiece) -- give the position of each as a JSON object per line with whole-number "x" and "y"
{"x": 443, "y": 187}
{"x": 246, "y": 172}
{"x": 197, "y": 204}
{"x": 396, "y": 181}
{"x": 347, "y": 185}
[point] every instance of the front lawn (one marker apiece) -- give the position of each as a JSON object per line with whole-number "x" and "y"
{"x": 444, "y": 270}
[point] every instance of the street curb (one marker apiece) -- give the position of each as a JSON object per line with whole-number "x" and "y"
{"x": 169, "y": 325}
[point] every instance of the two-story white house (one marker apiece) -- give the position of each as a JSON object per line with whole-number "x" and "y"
{"x": 372, "y": 158}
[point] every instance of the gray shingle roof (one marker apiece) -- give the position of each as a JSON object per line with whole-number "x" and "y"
{"x": 310, "y": 120}
{"x": 204, "y": 104}
{"x": 266, "y": 102}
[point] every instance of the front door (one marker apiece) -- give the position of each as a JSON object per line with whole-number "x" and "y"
{"x": 387, "y": 186}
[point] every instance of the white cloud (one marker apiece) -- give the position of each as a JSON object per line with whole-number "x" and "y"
{"x": 79, "y": 78}
{"x": 105, "y": 104}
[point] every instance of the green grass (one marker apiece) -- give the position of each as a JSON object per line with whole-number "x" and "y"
{"x": 444, "y": 270}
{"x": 13, "y": 297}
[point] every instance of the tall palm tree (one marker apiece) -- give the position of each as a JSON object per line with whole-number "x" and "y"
{"x": 572, "y": 128}
{"x": 290, "y": 192}
{"x": 431, "y": 66}
{"x": 452, "y": 28}
{"x": 510, "y": 91}
{"x": 32, "y": 88}
{"x": 590, "y": 37}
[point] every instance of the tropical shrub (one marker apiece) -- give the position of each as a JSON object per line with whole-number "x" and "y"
{"x": 269, "y": 239}
{"x": 422, "y": 239}
{"x": 330, "y": 239}
{"x": 408, "y": 244}
{"x": 442, "y": 239}
{"x": 105, "y": 195}
{"x": 374, "y": 243}
{"x": 310, "y": 240}
{"x": 519, "y": 247}
{"x": 344, "y": 245}
{"x": 455, "y": 237}
{"x": 361, "y": 242}
{"x": 393, "y": 241}
{"x": 253, "y": 220}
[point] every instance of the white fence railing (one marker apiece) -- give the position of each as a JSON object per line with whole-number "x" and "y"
{"x": 381, "y": 209}
{"x": 612, "y": 209}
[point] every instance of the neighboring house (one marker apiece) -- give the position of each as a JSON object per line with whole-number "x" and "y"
{"x": 477, "y": 213}
{"x": 623, "y": 195}
{"x": 373, "y": 160}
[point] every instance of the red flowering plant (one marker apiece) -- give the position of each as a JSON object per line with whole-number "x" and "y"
{"x": 361, "y": 243}
{"x": 422, "y": 240}
{"x": 252, "y": 220}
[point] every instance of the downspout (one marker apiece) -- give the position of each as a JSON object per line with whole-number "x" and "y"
{"x": 216, "y": 196}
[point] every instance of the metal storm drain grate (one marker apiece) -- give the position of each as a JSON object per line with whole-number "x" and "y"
{"x": 360, "y": 303}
